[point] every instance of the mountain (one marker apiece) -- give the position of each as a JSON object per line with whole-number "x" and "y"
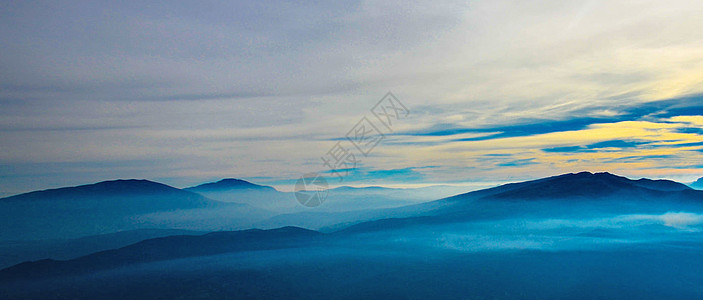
{"x": 583, "y": 185}
{"x": 122, "y": 192}
{"x": 564, "y": 195}
{"x": 99, "y": 208}
{"x": 229, "y": 204}
{"x": 14, "y": 252}
{"x": 165, "y": 248}
{"x": 244, "y": 192}
{"x": 576, "y": 188}
{"x": 698, "y": 184}
{"x": 339, "y": 199}
{"x": 354, "y": 197}
{"x": 572, "y": 236}
{"x": 229, "y": 184}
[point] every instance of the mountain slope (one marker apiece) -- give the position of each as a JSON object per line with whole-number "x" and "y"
{"x": 698, "y": 184}
{"x": 244, "y": 192}
{"x": 576, "y": 185}
{"x": 587, "y": 185}
{"x": 573, "y": 236}
{"x": 566, "y": 196}
{"x": 124, "y": 193}
{"x": 577, "y": 189}
{"x": 12, "y": 253}
{"x": 339, "y": 199}
{"x": 92, "y": 209}
{"x": 229, "y": 184}
{"x": 165, "y": 248}
{"x": 563, "y": 195}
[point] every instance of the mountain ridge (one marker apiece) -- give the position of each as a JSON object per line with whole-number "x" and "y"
{"x": 164, "y": 248}
{"x": 92, "y": 209}
{"x": 571, "y": 185}
{"x": 698, "y": 184}
{"x": 227, "y": 184}
{"x": 490, "y": 204}
{"x": 107, "y": 187}
{"x": 526, "y": 198}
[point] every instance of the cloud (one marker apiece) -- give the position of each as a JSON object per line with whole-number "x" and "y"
{"x": 676, "y": 110}
{"x": 256, "y": 89}
{"x": 564, "y": 234}
{"x": 615, "y": 145}
{"x": 679, "y": 220}
{"x": 566, "y": 149}
{"x": 518, "y": 163}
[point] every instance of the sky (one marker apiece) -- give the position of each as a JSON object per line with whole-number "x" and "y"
{"x": 185, "y": 92}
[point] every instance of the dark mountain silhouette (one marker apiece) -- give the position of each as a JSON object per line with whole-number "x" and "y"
{"x": 14, "y": 252}
{"x": 166, "y": 248}
{"x": 568, "y": 194}
{"x": 577, "y": 185}
{"x": 340, "y": 199}
{"x": 92, "y": 209}
{"x": 488, "y": 203}
{"x": 229, "y": 184}
{"x": 121, "y": 190}
{"x": 244, "y": 192}
{"x": 574, "y": 230}
{"x": 549, "y": 196}
{"x": 585, "y": 184}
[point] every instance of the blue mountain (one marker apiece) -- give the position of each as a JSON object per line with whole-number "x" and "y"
{"x": 122, "y": 192}
{"x": 12, "y": 253}
{"x": 165, "y": 248}
{"x": 577, "y": 236}
{"x": 243, "y": 192}
{"x": 92, "y": 209}
{"x": 561, "y": 195}
{"x": 230, "y": 184}
{"x": 584, "y": 185}
{"x": 568, "y": 194}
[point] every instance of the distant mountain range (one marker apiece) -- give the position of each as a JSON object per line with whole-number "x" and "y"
{"x": 228, "y": 204}
{"x": 581, "y": 194}
{"x": 568, "y": 194}
{"x": 339, "y": 199}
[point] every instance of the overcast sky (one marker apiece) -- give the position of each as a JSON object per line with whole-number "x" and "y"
{"x": 184, "y": 92}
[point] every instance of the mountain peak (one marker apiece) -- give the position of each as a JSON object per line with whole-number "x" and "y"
{"x": 117, "y": 187}
{"x": 135, "y": 185}
{"x": 230, "y": 184}
{"x": 582, "y": 185}
{"x": 698, "y": 184}
{"x": 586, "y": 174}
